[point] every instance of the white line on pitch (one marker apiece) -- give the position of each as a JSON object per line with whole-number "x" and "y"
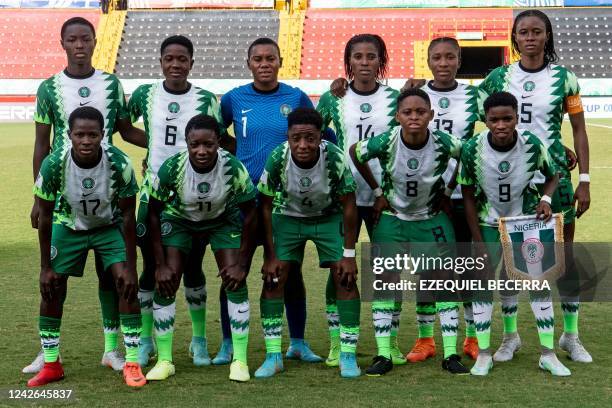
{"x": 598, "y": 125}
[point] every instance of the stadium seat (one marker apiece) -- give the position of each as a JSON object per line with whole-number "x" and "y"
{"x": 30, "y": 40}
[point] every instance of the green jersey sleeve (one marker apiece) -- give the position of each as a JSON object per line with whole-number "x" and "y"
{"x": 270, "y": 178}
{"x": 122, "y": 107}
{"x": 340, "y": 171}
{"x": 571, "y": 84}
{"x": 466, "y": 175}
{"x": 44, "y": 104}
{"x": 48, "y": 181}
{"x": 374, "y": 147}
{"x": 243, "y": 187}
{"x": 137, "y": 102}
{"x": 325, "y": 108}
{"x": 162, "y": 185}
{"x": 545, "y": 163}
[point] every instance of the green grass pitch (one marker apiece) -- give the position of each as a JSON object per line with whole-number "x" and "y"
{"x": 516, "y": 382}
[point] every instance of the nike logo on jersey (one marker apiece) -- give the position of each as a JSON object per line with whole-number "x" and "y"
{"x": 243, "y": 311}
{"x": 367, "y": 117}
{"x": 526, "y": 96}
{"x": 234, "y": 235}
{"x": 477, "y": 314}
{"x": 411, "y": 175}
{"x": 87, "y": 195}
{"x": 304, "y": 192}
{"x": 442, "y": 114}
{"x": 84, "y": 103}
{"x": 245, "y": 111}
{"x": 201, "y": 198}
{"x": 545, "y": 308}
{"x": 453, "y": 318}
{"x": 502, "y": 178}
{"x": 169, "y": 119}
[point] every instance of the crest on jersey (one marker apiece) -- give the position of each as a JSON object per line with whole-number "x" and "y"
{"x": 84, "y": 92}
{"x": 305, "y": 182}
{"x": 88, "y": 183}
{"x": 444, "y": 103}
{"x": 365, "y": 107}
{"x": 53, "y": 252}
{"x": 529, "y": 86}
{"x": 141, "y": 230}
{"x": 174, "y": 107}
{"x": 285, "y": 109}
{"x": 504, "y": 166}
{"x": 166, "y": 227}
{"x": 203, "y": 187}
{"x": 413, "y": 163}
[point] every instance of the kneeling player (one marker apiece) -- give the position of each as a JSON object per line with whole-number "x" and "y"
{"x": 308, "y": 193}
{"x": 94, "y": 187}
{"x": 496, "y": 174}
{"x": 199, "y": 193}
{"x": 413, "y": 160}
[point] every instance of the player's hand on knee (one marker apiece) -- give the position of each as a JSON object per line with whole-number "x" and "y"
{"x": 381, "y": 204}
{"x": 582, "y": 196}
{"x": 166, "y": 278}
{"x": 34, "y": 215}
{"x": 413, "y": 83}
{"x": 232, "y": 276}
{"x": 572, "y": 160}
{"x": 49, "y": 283}
{"x": 543, "y": 211}
{"x": 338, "y": 87}
{"x": 127, "y": 285}
{"x": 347, "y": 271}
{"x": 271, "y": 271}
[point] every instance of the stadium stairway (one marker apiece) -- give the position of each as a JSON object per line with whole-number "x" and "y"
{"x": 30, "y": 41}
{"x": 220, "y": 37}
{"x": 110, "y": 30}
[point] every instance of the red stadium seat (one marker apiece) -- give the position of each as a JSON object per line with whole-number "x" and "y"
{"x": 30, "y": 41}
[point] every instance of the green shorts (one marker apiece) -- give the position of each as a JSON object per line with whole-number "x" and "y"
{"x": 69, "y": 248}
{"x": 392, "y": 229}
{"x": 291, "y": 233}
{"x": 562, "y": 200}
{"x": 224, "y": 232}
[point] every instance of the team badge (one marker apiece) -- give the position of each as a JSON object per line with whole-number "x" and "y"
{"x": 365, "y": 107}
{"x": 413, "y": 163}
{"x": 53, "y": 252}
{"x": 504, "y": 166}
{"x": 140, "y": 230}
{"x": 88, "y": 183}
{"x": 444, "y": 103}
{"x": 529, "y": 86}
{"x": 532, "y": 250}
{"x": 305, "y": 182}
{"x": 84, "y": 92}
{"x": 166, "y": 227}
{"x": 174, "y": 107}
{"x": 285, "y": 110}
{"x": 203, "y": 187}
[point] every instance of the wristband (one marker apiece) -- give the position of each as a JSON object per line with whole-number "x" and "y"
{"x": 348, "y": 253}
{"x": 448, "y": 191}
{"x": 378, "y": 192}
{"x": 546, "y": 198}
{"x": 584, "y": 178}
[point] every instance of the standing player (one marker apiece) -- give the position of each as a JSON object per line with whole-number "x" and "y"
{"x": 308, "y": 193}
{"x": 502, "y": 153}
{"x": 166, "y": 107}
{"x": 546, "y": 91}
{"x": 258, "y": 112}
{"x": 199, "y": 193}
{"x": 365, "y": 110}
{"x": 413, "y": 159}
{"x": 79, "y": 84}
{"x": 95, "y": 189}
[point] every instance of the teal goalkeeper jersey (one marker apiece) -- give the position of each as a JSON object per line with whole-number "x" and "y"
{"x": 309, "y": 192}
{"x": 543, "y": 96}
{"x": 359, "y": 116}
{"x": 412, "y": 178}
{"x": 165, "y": 115}
{"x": 504, "y": 179}
{"x": 86, "y": 198}
{"x": 61, "y": 94}
{"x": 193, "y": 196}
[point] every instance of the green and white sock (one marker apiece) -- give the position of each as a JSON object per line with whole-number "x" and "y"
{"x": 468, "y": 316}
{"x": 164, "y": 312}
{"x": 110, "y": 318}
{"x": 482, "y": 320}
{"x": 426, "y": 317}
{"x": 349, "y": 311}
{"x": 272, "y": 323}
{"x": 196, "y": 303}
{"x": 239, "y": 312}
{"x": 570, "y": 316}
{"x": 131, "y": 326}
{"x": 509, "y": 307}
{"x": 49, "y": 330}
{"x": 331, "y": 310}
{"x": 542, "y": 307}
{"x": 449, "y": 325}
{"x": 145, "y": 297}
{"x": 382, "y": 317}
{"x": 395, "y": 322}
